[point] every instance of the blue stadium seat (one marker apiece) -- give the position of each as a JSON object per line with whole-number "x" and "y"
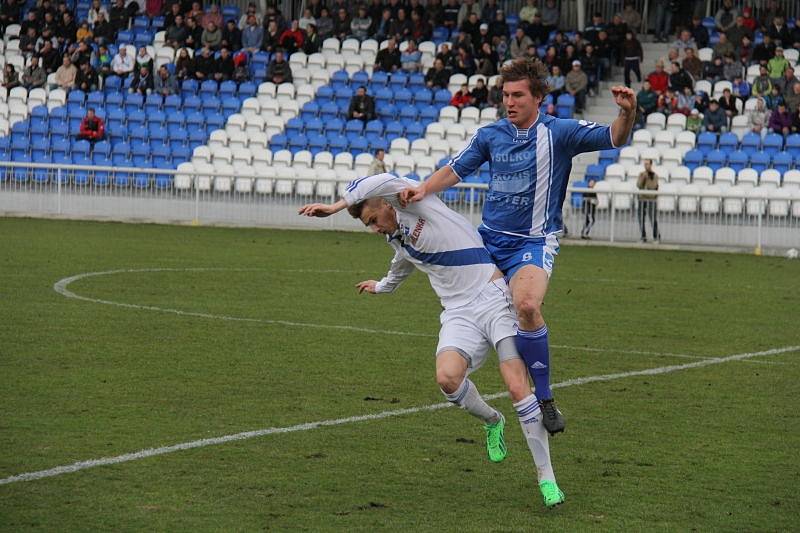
{"x": 76, "y": 96}
{"x": 329, "y": 111}
{"x": 81, "y": 177}
{"x": 359, "y": 78}
{"x": 428, "y": 114}
{"x": 121, "y": 179}
{"x": 403, "y": 97}
{"x": 337, "y": 144}
{"x": 247, "y": 89}
{"x": 374, "y": 128}
{"x": 343, "y": 96}
{"x": 134, "y": 101}
{"x": 354, "y": 127}
{"x": 759, "y": 161}
{"x": 178, "y": 137}
{"x": 278, "y": 141}
{"x": 102, "y": 147}
{"x": 706, "y": 142}
{"x": 195, "y": 120}
{"x": 40, "y": 112}
{"x": 136, "y": 118}
{"x": 39, "y": 129}
{"x": 772, "y": 144}
{"x": 80, "y": 148}
{"x": 157, "y": 134}
{"x": 156, "y": 117}
{"x": 379, "y": 79}
{"x": 175, "y": 118}
{"x": 416, "y": 81}
{"x": 565, "y": 104}
{"x": 189, "y": 88}
{"x": 407, "y": 115}
{"x": 414, "y": 131}
{"x": 214, "y": 121}
{"x": 60, "y": 147}
{"x": 101, "y": 177}
{"x": 393, "y": 130}
{"x": 161, "y": 154}
{"x": 751, "y": 143}
{"x": 383, "y": 96}
{"x": 398, "y": 79}
{"x": 608, "y": 157}
{"x": 314, "y": 125}
{"x": 95, "y": 99}
{"x": 716, "y": 159}
{"x": 738, "y": 160}
{"x": 340, "y": 79}
{"x": 324, "y": 95}
{"x": 422, "y": 97}
{"x": 379, "y": 144}
{"x": 442, "y": 97}
{"x": 172, "y": 104}
{"x": 782, "y": 162}
{"x": 359, "y": 145}
{"x": 57, "y": 113}
{"x": 197, "y": 137}
{"x": 595, "y": 172}
{"x": 227, "y": 88}
{"x": 294, "y": 126}
{"x": 41, "y": 175}
{"x": 728, "y": 142}
{"x": 336, "y": 125}
{"x": 211, "y": 104}
{"x": 309, "y": 110}
{"x": 693, "y": 159}
{"x": 181, "y": 154}
{"x": 793, "y": 144}
{"x": 153, "y": 102}
{"x": 231, "y": 105}
{"x": 317, "y": 143}
{"x": 112, "y": 85}
{"x": 441, "y": 34}
{"x": 40, "y": 148}
{"x": 386, "y": 112}
{"x": 140, "y": 154}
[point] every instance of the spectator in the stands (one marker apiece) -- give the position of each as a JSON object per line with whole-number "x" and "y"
{"x": 377, "y": 166}
{"x": 767, "y": 14}
{"x": 84, "y": 33}
{"x": 362, "y": 106}
{"x": 744, "y": 52}
{"x": 796, "y": 120}
{"x": 646, "y": 100}
{"x": 32, "y": 20}
{"x": 324, "y": 24}
{"x": 551, "y": 14}
{"x": 536, "y": 31}
{"x": 92, "y": 127}
{"x": 489, "y": 11}
{"x": 292, "y": 39}
{"x": 252, "y": 35}
{"x": 528, "y": 12}
{"x": 780, "y": 120}
{"x": 779, "y": 32}
{"x": 143, "y": 59}
{"x": 177, "y": 33}
{"x": 727, "y": 102}
{"x": 10, "y": 77}
{"x": 487, "y": 60}
{"x": 499, "y": 27}
{"x": 312, "y": 43}
{"x": 196, "y": 12}
{"x": 204, "y": 65}
{"x": 590, "y": 66}
{"x": 730, "y": 67}
{"x": 34, "y": 76}
{"x": 795, "y": 34}
{"x": 448, "y": 56}
{"x": 667, "y": 103}
{"x": 401, "y": 27}
{"x": 725, "y": 18}
{"x": 604, "y": 54}
{"x": 468, "y": 7}
{"x": 694, "y": 122}
{"x": 633, "y": 55}
{"x": 764, "y": 51}
{"x": 699, "y": 32}
{"x": 67, "y": 30}
{"x": 762, "y": 84}
{"x": 519, "y": 44}
{"x": 738, "y": 31}
{"x": 49, "y": 57}
{"x": 714, "y": 120}
{"x": 774, "y": 98}
{"x": 231, "y": 36}
{"x": 411, "y": 58}
{"x": 360, "y": 24}
{"x": 465, "y": 62}
{"x": 437, "y": 76}
{"x": 659, "y": 79}
{"x": 103, "y": 30}
{"x": 692, "y": 64}
{"x": 461, "y": 98}
{"x": 479, "y": 94}
{"x": 224, "y": 67}
{"x": 748, "y": 20}
{"x": 787, "y": 83}
{"x": 632, "y": 17}
{"x": 679, "y": 78}
{"x": 741, "y": 89}
{"x": 556, "y": 81}
{"x": 701, "y": 101}
{"x": 272, "y": 37}
{"x": 616, "y": 30}
{"x": 123, "y": 63}
{"x": 87, "y": 79}
{"x": 279, "y": 70}
{"x": 388, "y": 59}
{"x": 714, "y": 71}
{"x": 495, "y": 98}
{"x": 341, "y": 24}
{"x": 685, "y": 101}
{"x": 212, "y": 16}
{"x": 420, "y": 29}
{"x": 597, "y": 25}
{"x": 164, "y": 82}
{"x": 664, "y": 9}
{"x": 724, "y": 47}
{"x": 184, "y": 65}
{"x": 306, "y": 19}
{"x": 241, "y": 71}
{"x": 576, "y": 83}
{"x": 80, "y": 53}
{"x": 383, "y": 26}
{"x": 211, "y": 37}
{"x": 777, "y": 65}
{"x": 684, "y": 41}
{"x": 142, "y": 81}
{"x": 102, "y": 61}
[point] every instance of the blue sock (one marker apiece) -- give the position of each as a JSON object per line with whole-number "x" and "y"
{"x": 534, "y": 349}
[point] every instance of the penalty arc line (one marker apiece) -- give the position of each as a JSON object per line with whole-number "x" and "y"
{"x": 152, "y": 452}
{"x": 61, "y": 287}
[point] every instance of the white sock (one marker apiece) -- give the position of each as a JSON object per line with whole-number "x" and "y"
{"x": 538, "y": 441}
{"x": 468, "y": 398}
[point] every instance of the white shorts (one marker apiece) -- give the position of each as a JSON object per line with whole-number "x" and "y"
{"x": 474, "y": 329}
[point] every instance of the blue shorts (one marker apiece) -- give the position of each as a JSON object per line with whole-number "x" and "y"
{"x": 510, "y": 253}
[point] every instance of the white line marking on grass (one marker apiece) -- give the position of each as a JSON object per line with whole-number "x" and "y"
{"x": 152, "y": 452}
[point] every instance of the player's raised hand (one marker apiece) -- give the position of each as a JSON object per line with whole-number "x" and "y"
{"x": 411, "y": 195}
{"x": 624, "y": 97}
{"x": 316, "y": 210}
{"x": 366, "y": 286}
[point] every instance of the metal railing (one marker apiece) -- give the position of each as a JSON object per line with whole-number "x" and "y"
{"x": 740, "y": 220}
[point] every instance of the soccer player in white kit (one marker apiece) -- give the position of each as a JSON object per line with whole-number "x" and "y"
{"x": 478, "y": 312}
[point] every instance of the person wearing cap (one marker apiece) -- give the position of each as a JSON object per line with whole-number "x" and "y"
{"x": 362, "y": 106}
{"x": 777, "y": 65}
{"x": 715, "y": 120}
{"x": 575, "y": 84}
{"x": 694, "y": 122}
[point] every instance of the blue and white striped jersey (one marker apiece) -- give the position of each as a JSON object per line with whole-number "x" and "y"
{"x": 432, "y": 238}
{"x": 529, "y": 170}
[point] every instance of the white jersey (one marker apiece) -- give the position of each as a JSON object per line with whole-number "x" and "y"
{"x": 431, "y": 237}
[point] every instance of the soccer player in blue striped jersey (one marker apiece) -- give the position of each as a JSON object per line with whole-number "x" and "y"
{"x": 530, "y": 158}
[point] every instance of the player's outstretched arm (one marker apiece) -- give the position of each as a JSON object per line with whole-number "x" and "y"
{"x": 366, "y": 286}
{"x": 322, "y": 210}
{"x": 438, "y": 181}
{"x": 622, "y": 126}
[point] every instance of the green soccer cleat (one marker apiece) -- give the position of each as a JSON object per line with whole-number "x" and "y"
{"x": 495, "y": 442}
{"x": 551, "y": 494}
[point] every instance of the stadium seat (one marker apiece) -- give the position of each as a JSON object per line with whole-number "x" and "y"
{"x": 751, "y": 143}
{"x": 706, "y": 142}
{"x": 725, "y": 176}
{"x": 738, "y": 160}
{"x": 782, "y": 162}
{"x": 747, "y": 177}
{"x": 716, "y": 159}
{"x": 759, "y": 161}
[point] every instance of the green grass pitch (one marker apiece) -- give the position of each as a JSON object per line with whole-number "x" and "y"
{"x": 712, "y": 448}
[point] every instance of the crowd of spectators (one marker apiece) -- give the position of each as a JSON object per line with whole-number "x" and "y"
{"x": 744, "y": 39}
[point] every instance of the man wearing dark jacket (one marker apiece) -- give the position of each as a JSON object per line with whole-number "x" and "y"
{"x": 279, "y": 70}
{"x": 388, "y": 59}
{"x": 437, "y": 77}
{"x": 679, "y": 78}
{"x": 362, "y": 106}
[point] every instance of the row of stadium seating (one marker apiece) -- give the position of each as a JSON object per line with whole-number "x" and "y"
{"x": 745, "y": 176}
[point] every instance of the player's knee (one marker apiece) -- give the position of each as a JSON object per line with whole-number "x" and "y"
{"x": 448, "y": 379}
{"x": 519, "y": 390}
{"x": 529, "y": 310}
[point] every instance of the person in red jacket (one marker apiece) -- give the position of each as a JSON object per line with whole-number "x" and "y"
{"x": 92, "y": 127}
{"x": 292, "y": 38}
{"x": 462, "y": 98}
{"x": 659, "y": 79}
